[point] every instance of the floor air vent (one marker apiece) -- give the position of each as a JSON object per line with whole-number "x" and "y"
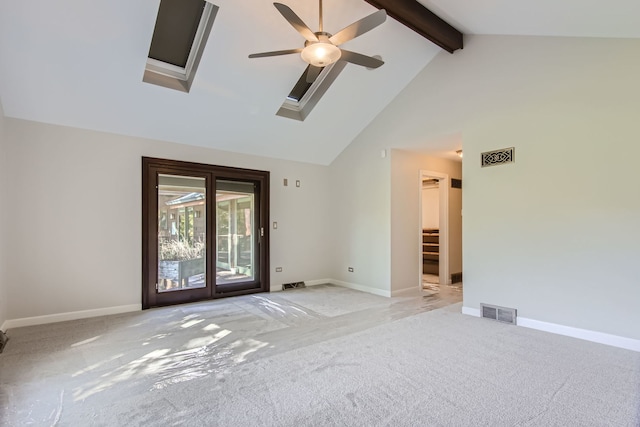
{"x": 293, "y": 285}
{"x": 498, "y": 157}
{"x": 3, "y": 340}
{"x": 501, "y": 314}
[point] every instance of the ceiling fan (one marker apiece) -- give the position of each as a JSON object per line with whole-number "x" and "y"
{"x": 321, "y": 48}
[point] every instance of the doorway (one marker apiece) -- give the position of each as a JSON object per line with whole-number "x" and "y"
{"x": 434, "y": 230}
{"x": 204, "y": 232}
{"x": 430, "y": 232}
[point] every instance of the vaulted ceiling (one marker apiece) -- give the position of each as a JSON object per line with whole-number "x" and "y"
{"x": 80, "y": 63}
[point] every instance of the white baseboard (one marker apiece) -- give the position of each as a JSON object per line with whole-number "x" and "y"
{"x": 361, "y": 288}
{"x": 307, "y": 283}
{"x": 317, "y": 282}
{"x": 583, "y": 334}
{"x": 73, "y": 315}
{"x": 475, "y": 312}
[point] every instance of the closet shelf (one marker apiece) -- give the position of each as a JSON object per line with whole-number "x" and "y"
{"x": 430, "y": 251}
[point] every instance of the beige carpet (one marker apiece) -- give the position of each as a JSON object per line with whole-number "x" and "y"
{"x": 252, "y": 362}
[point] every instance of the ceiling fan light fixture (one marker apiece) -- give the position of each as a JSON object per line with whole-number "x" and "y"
{"x": 321, "y": 54}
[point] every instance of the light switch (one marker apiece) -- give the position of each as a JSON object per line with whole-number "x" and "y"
{"x": 297, "y": 183}
{"x": 275, "y": 225}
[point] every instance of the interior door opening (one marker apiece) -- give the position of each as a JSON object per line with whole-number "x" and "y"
{"x": 430, "y": 232}
{"x": 440, "y": 237}
{"x": 434, "y": 230}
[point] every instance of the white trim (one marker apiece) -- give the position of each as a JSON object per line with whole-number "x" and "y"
{"x": 307, "y": 283}
{"x": 583, "y": 334}
{"x": 317, "y": 282}
{"x": 475, "y": 312}
{"x": 197, "y": 45}
{"x": 361, "y": 288}
{"x": 166, "y": 69}
{"x": 73, "y": 315}
{"x": 381, "y": 292}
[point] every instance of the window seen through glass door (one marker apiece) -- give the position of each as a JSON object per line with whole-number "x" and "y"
{"x": 181, "y": 233}
{"x": 235, "y": 218}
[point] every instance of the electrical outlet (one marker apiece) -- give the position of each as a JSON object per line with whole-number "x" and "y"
{"x": 350, "y": 269}
{"x": 278, "y": 269}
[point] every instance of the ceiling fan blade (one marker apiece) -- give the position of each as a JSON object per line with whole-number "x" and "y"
{"x": 296, "y": 22}
{"x": 360, "y": 59}
{"x": 275, "y": 53}
{"x": 312, "y": 73}
{"x": 358, "y": 28}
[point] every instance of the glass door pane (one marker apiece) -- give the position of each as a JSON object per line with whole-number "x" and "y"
{"x": 181, "y": 233}
{"x": 236, "y": 232}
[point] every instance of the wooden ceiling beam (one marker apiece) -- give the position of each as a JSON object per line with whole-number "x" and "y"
{"x": 421, "y": 20}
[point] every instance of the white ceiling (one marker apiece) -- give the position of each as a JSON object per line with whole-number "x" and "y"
{"x": 80, "y": 63}
{"x": 571, "y": 18}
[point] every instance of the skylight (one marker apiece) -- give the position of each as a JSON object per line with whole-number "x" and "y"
{"x": 180, "y": 34}
{"x": 304, "y": 96}
{"x": 301, "y": 88}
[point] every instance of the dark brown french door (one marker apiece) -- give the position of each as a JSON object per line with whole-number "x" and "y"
{"x": 204, "y": 232}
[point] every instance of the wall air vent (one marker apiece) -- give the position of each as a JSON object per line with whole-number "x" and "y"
{"x": 501, "y": 314}
{"x": 456, "y": 183}
{"x": 293, "y": 285}
{"x": 498, "y": 157}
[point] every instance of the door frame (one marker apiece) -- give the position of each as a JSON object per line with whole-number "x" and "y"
{"x": 443, "y": 225}
{"x": 151, "y": 167}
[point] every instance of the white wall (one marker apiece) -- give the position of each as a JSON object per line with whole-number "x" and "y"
{"x": 360, "y": 215}
{"x": 3, "y": 223}
{"x": 376, "y": 215}
{"x": 406, "y": 221}
{"x": 568, "y": 105}
{"x": 76, "y": 216}
{"x": 431, "y": 207}
{"x": 556, "y": 235}
{"x": 570, "y": 108}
